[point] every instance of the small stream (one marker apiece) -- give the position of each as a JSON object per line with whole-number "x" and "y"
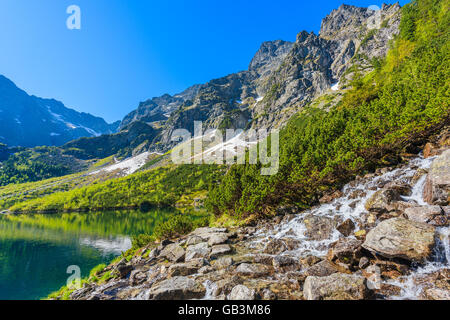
{"x": 352, "y": 207}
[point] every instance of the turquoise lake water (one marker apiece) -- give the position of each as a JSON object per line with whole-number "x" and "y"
{"x": 36, "y": 250}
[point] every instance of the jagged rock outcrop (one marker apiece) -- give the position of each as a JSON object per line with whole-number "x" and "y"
{"x": 437, "y": 186}
{"x": 282, "y": 78}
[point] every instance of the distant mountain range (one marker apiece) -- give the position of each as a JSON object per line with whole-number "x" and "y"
{"x": 30, "y": 121}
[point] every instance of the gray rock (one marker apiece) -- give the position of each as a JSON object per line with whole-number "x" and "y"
{"x": 173, "y": 252}
{"x": 241, "y": 292}
{"x": 381, "y": 200}
{"x": 337, "y": 286}
{"x": 363, "y": 263}
{"x": 218, "y": 250}
{"x": 401, "y": 238}
{"x": 177, "y": 288}
{"x": 433, "y": 215}
{"x": 223, "y": 262}
{"x": 437, "y": 185}
{"x": 193, "y": 240}
{"x": 253, "y": 270}
{"x": 200, "y": 250}
{"x": 218, "y": 238}
{"x": 187, "y": 268}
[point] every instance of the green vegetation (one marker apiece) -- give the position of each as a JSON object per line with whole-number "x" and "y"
{"x": 387, "y": 112}
{"x": 155, "y": 188}
{"x": 37, "y": 164}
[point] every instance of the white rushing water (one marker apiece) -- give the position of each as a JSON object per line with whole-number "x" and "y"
{"x": 351, "y": 206}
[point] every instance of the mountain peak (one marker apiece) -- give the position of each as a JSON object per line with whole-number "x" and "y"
{"x": 270, "y": 53}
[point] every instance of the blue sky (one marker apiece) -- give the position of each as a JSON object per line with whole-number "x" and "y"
{"x": 129, "y": 51}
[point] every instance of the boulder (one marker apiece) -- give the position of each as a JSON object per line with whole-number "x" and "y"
{"x": 322, "y": 269}
{"x": 338, "y": 286}
{"x": 346, "y": 252}
{"x": 381, "y": 200}
{"x": 241, "y": 292}
{"x": 217, "y": 238}
{"x": 187, "y": 268}
{"x": 177, "y": 288}
{"x": 193, "y": 240}
{"x": 219, "y": 250}
{"x": 223, "y": 263}
{"x": 200, "y": 250}
{"x": 346, "y": 228}
{"x": 253, "y": 270}
{"x": 173, "y": 252}
{"x": 437, "y": 185}
{"x": 433, "y": 215}
{"x": 286, "y": 263}
{"x": 401, "y": 238}
{"x": 275, "y": 246}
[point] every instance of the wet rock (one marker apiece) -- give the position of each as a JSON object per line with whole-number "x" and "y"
{"x": 381, "y": 199}
{"x": 177, "y": 288}
{"x": 357, "y": 194}
{"x": 346, "y": 252}
{"x": 173, "y": 252}
{"x": 433, "y": 215}
{"x": 286, "y": 210}
{"x": 286, "y": 263}
{"x": 310, "y": 261}
{"x": 403, "y": 189}
{"x": 253, "y": 270}
{"x": 330, "y": 197}
{"x": 346, "y": 228}
{"x": 200, "y": 250}
{"x": 437, "y": 185}
{"x": 437, "y": 294}
{"x": 241, "y": 292}
{"x": 291, "y": 243}
{"x": 388, "y": 290}
{"x": 337, "y": 286}
{"x": 322, "y": 269}
{"x": 275, "y": 246}
{"x": 219, "y": 250}
{"x": 401, "y": 238}
{"x": 319, "y": 228}
{"x": 187, "y": 268}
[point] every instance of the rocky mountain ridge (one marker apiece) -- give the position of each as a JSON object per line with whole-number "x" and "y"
{"x": 30, "y": 121}
{"x": 282, "y": 78}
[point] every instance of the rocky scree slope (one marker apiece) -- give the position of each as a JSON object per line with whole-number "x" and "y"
{"x": 383, "y": 236}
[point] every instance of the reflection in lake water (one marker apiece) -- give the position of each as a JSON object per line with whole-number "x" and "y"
{"x": 35, "y": 250}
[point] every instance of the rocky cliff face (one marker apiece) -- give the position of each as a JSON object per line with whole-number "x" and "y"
{"x": 282, "y": 78}
{"x": 30, "y": 121}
